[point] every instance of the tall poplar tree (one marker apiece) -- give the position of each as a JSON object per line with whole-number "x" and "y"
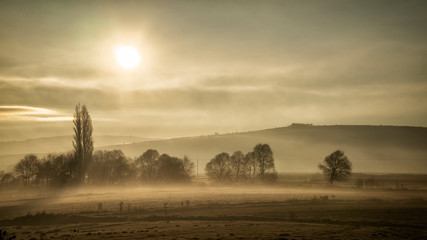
{"x": 87, "y": 139}
{"x": 82, "y": 141}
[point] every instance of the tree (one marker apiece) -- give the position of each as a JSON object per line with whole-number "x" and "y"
{"x": 252, "y": 164}
{"x": 63, "y": 170}
{"x": 337, "y": 167}
{"x": 46, "y": 172}
{"x": 87, "y": 140}
{"x": 8, "y": 178}
{"x": 78, "y": 142}
{"x": 188, "y": 165}
{"x": 147, "y": 164}
{"x": 109, "y": 167}
{"x": 57, "y": 169}
{"x": 264, "y": 156}
{"x": 173, "y": 169}
{"x": 27, "y": 168}
{"x": 219, "y": 168}
{"x": 238, "y": 165}
{"x": 83, "y": 141}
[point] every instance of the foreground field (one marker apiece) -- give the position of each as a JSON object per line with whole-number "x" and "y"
{"x": 206, "y": 212}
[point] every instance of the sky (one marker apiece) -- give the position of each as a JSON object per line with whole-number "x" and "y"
{"x": 210, "y": 66}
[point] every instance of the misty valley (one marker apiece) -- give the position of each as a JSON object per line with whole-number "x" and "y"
{"x": 89, "y": 193}
{"x": 213, "y": 120}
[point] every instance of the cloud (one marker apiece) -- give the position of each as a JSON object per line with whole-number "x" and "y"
{"x": 27, "y": 113}
{"x": 54, "y": 95}
{"x": 214, "y": 66}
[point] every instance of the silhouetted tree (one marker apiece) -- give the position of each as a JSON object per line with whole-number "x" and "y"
{"x": 109, "y": 167}
{"x": 188, "y": 165}
{"x": 173, "y": 169}
{"x": 45, "y": 172}
{"x": 87, "y": 139}
{"x": 64, "y": 169}
{"x": 219, "y": 168}
{"x": 238, "y": 164}
{"x": 337, "y": 167}
{"x": 8, "y": 178}
{"x": 83, "y": 141}
{"x": 264, "y": 156}
{"x": 78, "y": 142}
{"x": 100, "y": 168}
{"x": 27, "y": 168}
{"x": 57, "y": 170}
{"x": 147, "y": 164}
{"x": 252, "y": 164}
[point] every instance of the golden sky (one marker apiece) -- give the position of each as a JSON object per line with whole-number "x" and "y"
{"x": 210, "y": 66}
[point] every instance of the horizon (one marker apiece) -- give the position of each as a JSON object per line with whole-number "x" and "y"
{"x": 220, "y": 133}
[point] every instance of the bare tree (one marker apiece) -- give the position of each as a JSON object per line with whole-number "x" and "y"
{"x": 147, "y": 164}
{"x": 337, "y": 167}
{"x": 173, "y": 169}
{"x": 264, "y": 156}
{"x": 45, "y": 172}
{"x": 63, "y": 169}
{"x": 27, "y": 168}
{"x": 238, "y": 165}
{"x": 188, "y": 165}
{"x": 57, "y": 169}
{"x": 109, "y": 167}
{"x": 8, "y": 178}
{"x": 219, "y": 168}
{"x": 252, "y": 165}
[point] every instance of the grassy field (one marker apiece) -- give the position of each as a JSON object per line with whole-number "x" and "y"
{"x": 300, "y": 206}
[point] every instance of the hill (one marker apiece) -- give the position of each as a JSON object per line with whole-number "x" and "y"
{"x": 299, "y": 148}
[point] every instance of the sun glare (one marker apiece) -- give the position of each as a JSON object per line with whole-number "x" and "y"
{"x": 127, "y": 57}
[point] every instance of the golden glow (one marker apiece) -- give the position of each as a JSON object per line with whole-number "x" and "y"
{"x": 127, "y": 57}
{"x": 27, "y": 113}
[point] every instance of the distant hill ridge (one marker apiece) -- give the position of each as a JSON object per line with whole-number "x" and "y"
{"x": 300, "y": 147}
{"x": 297, "y": 148}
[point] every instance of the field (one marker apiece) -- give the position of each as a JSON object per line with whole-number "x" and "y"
{"x": 300, "y": 206}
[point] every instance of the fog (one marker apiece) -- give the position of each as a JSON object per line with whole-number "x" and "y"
{"x": 150, "y": 200}
{"x": 213, "y": 119}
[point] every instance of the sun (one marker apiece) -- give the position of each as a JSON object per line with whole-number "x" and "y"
{"x": 127, "y": 57}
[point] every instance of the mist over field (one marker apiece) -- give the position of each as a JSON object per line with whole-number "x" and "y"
{"x": 202, "y": 119}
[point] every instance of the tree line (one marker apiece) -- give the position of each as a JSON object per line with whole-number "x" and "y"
{"x": 113, "y": 167}
{"x": 107, "y": 167}
{"x": 255, "y": 165}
